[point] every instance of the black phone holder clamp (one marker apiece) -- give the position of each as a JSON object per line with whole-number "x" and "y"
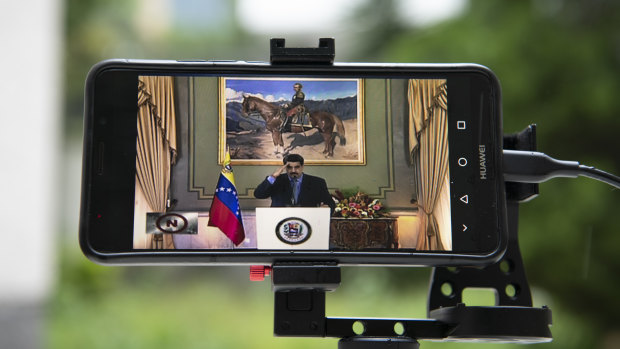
{"x": 300, "y": 296}
{"x": 513, "y": 318}
{"x": 324, "y": 54}
{"x": 300, "y": 287}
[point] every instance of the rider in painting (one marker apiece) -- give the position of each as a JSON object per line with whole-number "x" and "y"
{"x": 296, "y": 109}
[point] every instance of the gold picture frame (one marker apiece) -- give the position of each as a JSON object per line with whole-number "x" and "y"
{"x": 253, "y": 116}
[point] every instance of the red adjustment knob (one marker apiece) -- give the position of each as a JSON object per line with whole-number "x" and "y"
{"x": 258, "y": 272}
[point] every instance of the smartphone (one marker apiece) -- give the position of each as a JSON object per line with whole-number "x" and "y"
{"x": 401, "y": 164}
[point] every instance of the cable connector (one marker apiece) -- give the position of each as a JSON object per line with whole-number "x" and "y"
{"x": 536, "y": 167}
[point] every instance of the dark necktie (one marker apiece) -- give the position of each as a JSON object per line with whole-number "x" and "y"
{"x": 295, "y": 191}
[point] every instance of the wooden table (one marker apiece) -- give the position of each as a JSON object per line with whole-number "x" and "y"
{"x": 362, "y": 233}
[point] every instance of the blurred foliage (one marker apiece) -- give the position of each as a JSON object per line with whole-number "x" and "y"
{"x": 559, "y": 65}
{"x": 104, "y": 29}
{"x": 198, "y": 307}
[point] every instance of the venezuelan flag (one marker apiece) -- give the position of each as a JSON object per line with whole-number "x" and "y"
{"x": 225, "y": 212}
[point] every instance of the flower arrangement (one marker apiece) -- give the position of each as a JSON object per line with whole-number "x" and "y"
{"x": 359, "y": 205}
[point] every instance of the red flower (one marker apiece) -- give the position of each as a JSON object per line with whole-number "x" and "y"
{"x": 358, "y": 206}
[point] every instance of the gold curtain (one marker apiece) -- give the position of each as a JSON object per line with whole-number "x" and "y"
{"x": 428, "y": 146}
{"x": 157, "y": 145}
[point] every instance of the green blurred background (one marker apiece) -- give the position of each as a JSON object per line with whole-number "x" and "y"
{"x": 559, "y": 65}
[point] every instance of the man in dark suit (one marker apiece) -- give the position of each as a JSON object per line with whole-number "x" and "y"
{"x": 289, "y": 186}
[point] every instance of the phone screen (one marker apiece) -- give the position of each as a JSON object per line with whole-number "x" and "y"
{"x": 253, "y": 163}
{"x": 379, "y": 164}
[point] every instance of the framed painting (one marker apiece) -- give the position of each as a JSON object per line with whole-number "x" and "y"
{"x": 263, "y": 119}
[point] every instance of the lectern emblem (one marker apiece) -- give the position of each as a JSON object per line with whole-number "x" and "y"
{"x": 293, "y": 231}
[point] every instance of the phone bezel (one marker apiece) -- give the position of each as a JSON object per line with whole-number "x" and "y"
{"x": 210, "y": 257}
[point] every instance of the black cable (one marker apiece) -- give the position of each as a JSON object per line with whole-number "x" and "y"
{"x": 537, "y": 167}
{"x": 591, "y": 172}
